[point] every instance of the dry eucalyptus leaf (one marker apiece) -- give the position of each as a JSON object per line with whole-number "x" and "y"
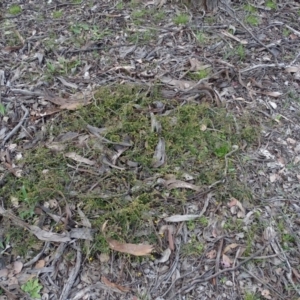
{"x": 134, "y": 249}
{"x": 272, "y": 94}
{"x": 211, "y": 254}
{"x": 235, "y": 202}
{"x": 159, "y": 156}
{"x": 175, "y": 184}
{"x": 181, "y": 84}
{"x": 181, "y": 218}
{"x": 81, "y": 233}
{"x": 164, "y": 256}
{"x": 80, "y": 159}
{"x": 230, "y": 247}
{"x": 57, "y": 147}
{"x": 73, "y": 102}
{"x": 84, "y": 220}
{"x": 114, "y": 285}
{"x": 44, "y": 235}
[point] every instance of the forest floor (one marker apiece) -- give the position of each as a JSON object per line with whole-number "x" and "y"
{"x": 149, "y": 150}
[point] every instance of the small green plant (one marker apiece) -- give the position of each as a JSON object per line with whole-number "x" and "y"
{"x": 249, "y": 8}
{"x": 191, "y": 225}
{"x": 2, "y": 109}
{"x": 222, "y": 150}
{"x": 57, "y": 14}
{"x": 201, "y": 37}
{"x": 28, "y": 211}
{"x": 201, "y": 74}
{"x": 210, "y": 20}
{"x": 250, "y": 296}
{"x": 271, "y": 4}
{"x": 138, "y": 16}
{"x": 223, "y": 280}
{"x": 98, "y": 34}
{"x": 33, "y": 288}
{"x": 134, "y": 3}
{"x": 120, "y": 5}
{"x": 159, "y": 16}
{"x": 51, "y": 68}
{"x": 181, "y": 19}
{"x": 252, "y": 20}
{"x": 79, "y": 27}
{"x": 14, "y": 9}
{"x": 286, "y": 32}
{"x": 241, "y": 51}
{"x": 203, "y": 221}
{"x": 193, "y": 248}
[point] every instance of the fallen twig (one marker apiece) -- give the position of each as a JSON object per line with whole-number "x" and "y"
{"x": 199, "y": 280}
{"x": 73, "y": 274}
{"x": 16, "y": 128}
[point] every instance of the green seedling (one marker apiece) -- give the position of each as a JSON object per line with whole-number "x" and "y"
{"x": 201, "y": 37}
{"x": 28, "y": 210}
{"x": 286, "y": 32}
{"x": 33, "y": 288}
{"x": 193, "y": 248}
{"x": 252, "y": 20}
{"x": 79, "y": 28}
{"x": 249, "y": 8}
{"x": 271, "y": 4}
{"x": 181, "y": 19}
{"x": 2, "y": 109}
{"x": 250, "y": 296}
{"x": 138, "y": 16}
{"x": 57, "y": 14}
{"x": 210, "y": 20}
{"x": 159, "y": 16}
{"x": 14, "y": 9}
{"x": 201, "y": 74}
{"x": 241, "y": 51}
{"x": 120, "y": 5}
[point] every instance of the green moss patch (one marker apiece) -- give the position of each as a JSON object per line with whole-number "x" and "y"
{"x": 197, "y": 138}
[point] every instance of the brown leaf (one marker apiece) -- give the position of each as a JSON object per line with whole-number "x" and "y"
{"x": 226, "y": 261}
{"x": 235, "y": 202}
{"x": 73, "y": 102}
{"x": 211, "y": 254}
{"x": 134, "y": 249}
{"x": 40, "y": 264}
{"x": 17, "y": 267}
{"x": 114, "y": 285}
{"x": 230, "y": 247}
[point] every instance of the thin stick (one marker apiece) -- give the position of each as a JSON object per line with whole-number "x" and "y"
{"x": 190, "y": 284}
{"x": 13, "y": 132}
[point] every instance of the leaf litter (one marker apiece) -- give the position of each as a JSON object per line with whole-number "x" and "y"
{"x": 237, "y": 210}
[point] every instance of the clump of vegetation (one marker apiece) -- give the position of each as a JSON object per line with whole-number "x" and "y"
{"x": 181, "y": 19}
{"x": 14, "y": 9}
{"x": 197, "y": 136}
{"x": 33, "y": 288}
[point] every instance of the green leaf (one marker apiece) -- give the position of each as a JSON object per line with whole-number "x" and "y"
{"x": 2, "y": 109}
